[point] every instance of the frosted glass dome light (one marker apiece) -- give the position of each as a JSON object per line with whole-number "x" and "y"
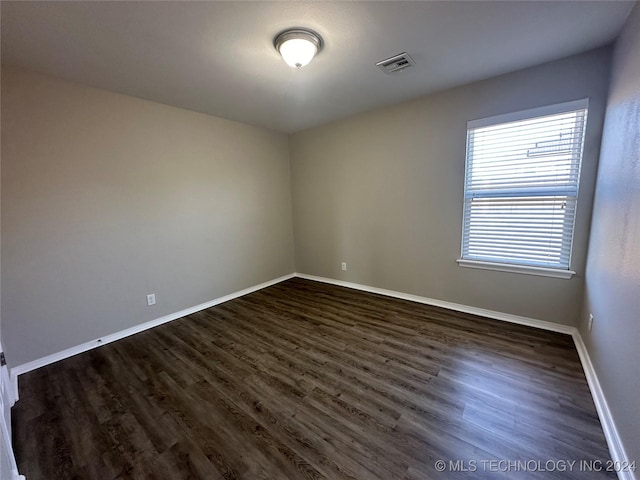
{"x": 298, "y": 47}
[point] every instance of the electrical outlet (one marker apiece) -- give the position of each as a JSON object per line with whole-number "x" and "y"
{"x": 590, "y": 321}
{"x": 344, "y": 265}
{"x": 151, "y": 299}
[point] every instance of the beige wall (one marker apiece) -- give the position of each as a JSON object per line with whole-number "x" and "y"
{"x": 106, "y": 198}
{"x": 383, "y": 192}
{"x": 5, "y": 459}
{"x": 613, "y": 267}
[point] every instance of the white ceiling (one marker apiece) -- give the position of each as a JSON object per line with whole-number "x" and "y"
{"x": 218, "y": 57}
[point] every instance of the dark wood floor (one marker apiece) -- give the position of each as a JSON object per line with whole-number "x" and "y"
{"x": 304, "y": 380}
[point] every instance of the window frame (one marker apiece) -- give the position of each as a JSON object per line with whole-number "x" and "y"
{"x": 582, "y": 104}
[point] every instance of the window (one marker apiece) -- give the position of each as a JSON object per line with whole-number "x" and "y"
{"x": 521, "y": 190}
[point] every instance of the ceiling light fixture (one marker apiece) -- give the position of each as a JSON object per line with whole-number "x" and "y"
{"x": 298, "y": 46}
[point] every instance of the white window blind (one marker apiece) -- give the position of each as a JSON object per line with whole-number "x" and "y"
{"x": 521, "y": 186}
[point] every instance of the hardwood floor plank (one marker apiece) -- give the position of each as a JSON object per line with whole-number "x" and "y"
{"x": 304, "y": 380}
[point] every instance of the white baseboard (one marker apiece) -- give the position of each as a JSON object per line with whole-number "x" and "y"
{"x": 614, "y": 442}
{"x": 70, "y": 352}
{"x": 616, "y": 448}
{"x": 8, "y": 450}
{"x": 505, "y": 317}
{"x": 6, "y": 402}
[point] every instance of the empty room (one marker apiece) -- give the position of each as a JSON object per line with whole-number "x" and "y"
{"x": 361, "y": 240}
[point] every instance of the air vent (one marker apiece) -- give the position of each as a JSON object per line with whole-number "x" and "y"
{"x": 396, "y": 63}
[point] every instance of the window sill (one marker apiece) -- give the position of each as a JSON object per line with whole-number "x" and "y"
{"x": 524, "y": 269}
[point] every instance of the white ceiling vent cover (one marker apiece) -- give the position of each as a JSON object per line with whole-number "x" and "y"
{"x": 396, "y": 63}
